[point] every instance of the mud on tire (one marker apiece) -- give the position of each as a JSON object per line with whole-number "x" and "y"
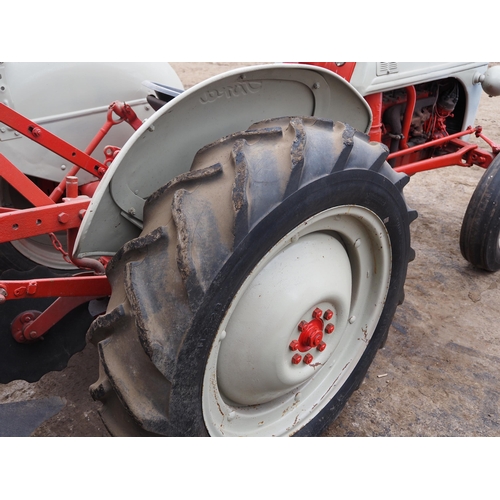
{"x": 237, "y": 256}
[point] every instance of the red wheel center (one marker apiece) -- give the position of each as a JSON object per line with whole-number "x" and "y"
{"x": 311, "y": 335}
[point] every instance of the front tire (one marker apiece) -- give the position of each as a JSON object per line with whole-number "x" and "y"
{"x": 215, "y": 300}
{"x": 480, "y": 233}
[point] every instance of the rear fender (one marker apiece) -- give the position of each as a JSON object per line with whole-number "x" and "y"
{"x": 167, "y": 142}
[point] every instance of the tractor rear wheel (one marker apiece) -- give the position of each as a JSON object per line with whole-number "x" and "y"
{"x": 480, "y": 233}
{"x": 260, "y": 289}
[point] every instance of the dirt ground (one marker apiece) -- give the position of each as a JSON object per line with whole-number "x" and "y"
{"x": 438, "y": 374}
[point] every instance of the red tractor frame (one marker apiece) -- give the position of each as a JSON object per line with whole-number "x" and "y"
{"x": 63, "y": 209}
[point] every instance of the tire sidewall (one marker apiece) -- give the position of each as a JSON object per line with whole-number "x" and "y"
{"x": 480, "y": 232}
{"x": 349, "y": 187}
{"x": 491, "y": 189}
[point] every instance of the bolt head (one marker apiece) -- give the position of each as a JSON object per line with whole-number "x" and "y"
{"x": 302, "y": 325}
{"x": 296, "y": 359}
{"x": 321, "y": 347}
{"x": 328, "y": 314}
{"x": 63, "y": 218}
{"x": 317, "y": 313}
{"x": 308, "y": 359}
{"x": 329, "y": 328}
{"x": 26, "y": 318}
{"x": 294, "y": 345}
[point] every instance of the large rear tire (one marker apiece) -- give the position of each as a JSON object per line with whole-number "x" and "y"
{"x": 260, "y": 289}
{"x": 480, "y": 233}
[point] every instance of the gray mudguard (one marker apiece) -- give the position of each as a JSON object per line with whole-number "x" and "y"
{"x": 167, "y": 142}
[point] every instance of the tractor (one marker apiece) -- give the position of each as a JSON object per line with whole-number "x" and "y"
{"x": 236, "y": 251}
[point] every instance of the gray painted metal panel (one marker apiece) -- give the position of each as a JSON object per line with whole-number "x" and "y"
{"x": 166, "y": 144}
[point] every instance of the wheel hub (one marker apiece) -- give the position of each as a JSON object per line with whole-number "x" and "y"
{"x": 311, "y": 335}
{"x": 289, "y": 295}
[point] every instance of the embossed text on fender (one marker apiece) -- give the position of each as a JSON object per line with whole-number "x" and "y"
{"x": 228, "y": 91}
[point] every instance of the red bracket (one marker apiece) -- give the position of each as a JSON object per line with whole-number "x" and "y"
{"x": 29, "y": 326}
{"x": 25, "y": 223}
{"x": 50, "y": 141}
{"x": 70, "y": 286}
{"x": 461, "y": 153}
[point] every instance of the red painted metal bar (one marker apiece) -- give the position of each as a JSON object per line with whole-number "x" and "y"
{"x": 494, "y": 147}
{"x": 126, "y": 113}
{"x": 50, "y": 141}
{"x": 39, "y": 326}
{"x": 431, "y": 144}
{"x": 25, "y": 223}
{"x": 410, "y": 108}
{"x": 71, "y": 286}
{"x": 447, "y": 160}
{"x": 11, "y": 174}
{"x": 478, "y": 156}
{"x": 58, "y": 192}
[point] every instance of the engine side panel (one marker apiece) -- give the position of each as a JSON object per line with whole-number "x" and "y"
{"x": 372, "y": 77}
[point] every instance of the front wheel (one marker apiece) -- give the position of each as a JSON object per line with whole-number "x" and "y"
{"x": 262, "y": 286}
{"x": 480, "y": 233}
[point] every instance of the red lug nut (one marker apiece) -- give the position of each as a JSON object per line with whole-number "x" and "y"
{"x": 296, "y": 359}
{"x": 308, "y": 358}
{"x": 328, "y": 314}
{"x": 317, "y": 313}
{"x": 294, "y": 345}
{"x": 329, "y": 328}
{"x": 302, "y": 325}
{"x": 321, "y": 347}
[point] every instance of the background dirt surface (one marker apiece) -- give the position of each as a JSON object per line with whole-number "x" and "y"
{"x": 438, "y": 374}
